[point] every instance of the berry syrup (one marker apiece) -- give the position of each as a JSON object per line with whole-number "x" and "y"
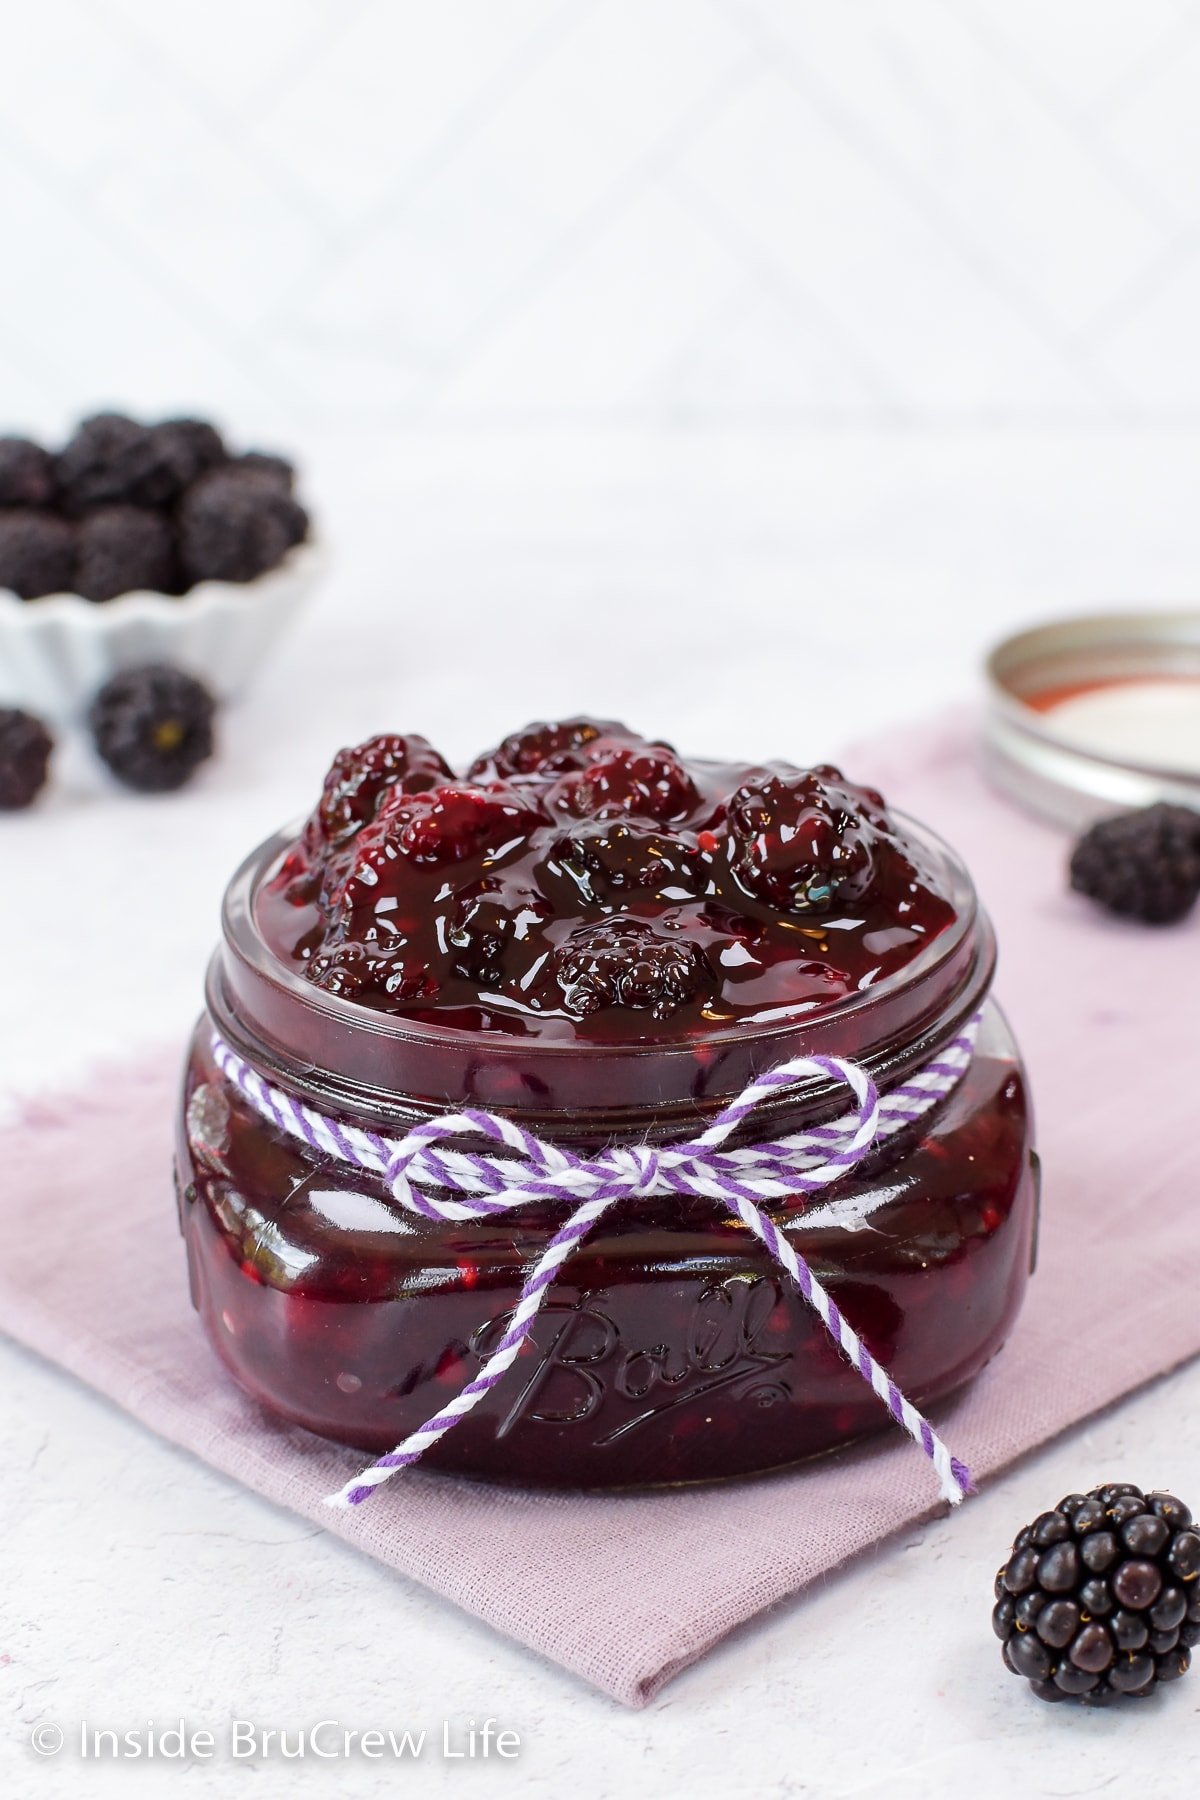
{"x": 609, "y": 940}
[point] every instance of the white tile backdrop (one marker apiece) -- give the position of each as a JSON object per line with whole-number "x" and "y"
{"x": 580, "y": 212}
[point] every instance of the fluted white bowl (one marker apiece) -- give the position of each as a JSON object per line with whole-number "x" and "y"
{"x": 57, "y": 651}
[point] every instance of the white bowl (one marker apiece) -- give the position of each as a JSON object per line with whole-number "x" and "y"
{"x": 57, "y": 651}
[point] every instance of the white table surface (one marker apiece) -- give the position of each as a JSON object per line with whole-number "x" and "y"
{"x": 741, "y": 594}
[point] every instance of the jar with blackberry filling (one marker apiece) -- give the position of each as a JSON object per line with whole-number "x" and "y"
{"x": 590, "y": 935}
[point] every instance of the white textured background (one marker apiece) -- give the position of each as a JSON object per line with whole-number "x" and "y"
{"x": 443, "y": 212}
{"x": 741, "y": 366}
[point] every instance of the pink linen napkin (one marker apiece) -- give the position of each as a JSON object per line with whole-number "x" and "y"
{"x": 626, "y": 1590}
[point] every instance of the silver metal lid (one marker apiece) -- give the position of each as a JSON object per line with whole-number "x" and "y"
{"x": 1096, "y": 715}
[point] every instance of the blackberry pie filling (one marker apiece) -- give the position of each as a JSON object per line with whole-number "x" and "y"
{"x": 605, "y": 941}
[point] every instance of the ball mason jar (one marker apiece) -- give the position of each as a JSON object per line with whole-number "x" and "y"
{"x": 671, "y": 1348}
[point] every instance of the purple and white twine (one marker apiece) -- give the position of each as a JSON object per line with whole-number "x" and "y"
{"x": 425, "y": 1175}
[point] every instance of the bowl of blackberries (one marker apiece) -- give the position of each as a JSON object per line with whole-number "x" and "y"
{"x": 137, "y": 544}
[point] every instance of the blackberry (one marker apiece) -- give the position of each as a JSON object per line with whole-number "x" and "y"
{"x": 26, "y": 473}
{"x": 25, "y": 747}
{"x": 170, "y": 458}
{"x": 277, "y": 468}
{"x": 235, "y": 524}
{"x": 1141, "y": 865}
{"x": 435, "y": 828}
{"x": 121, "y": 548}
{"x": 102, "y": 462}
{"x": 486, "y": 919}
{"x": 610, "y": 859}
{"x": 803, "y": 841}
{"x": 351, "y": 968}
{"x": 360, "y": 776}
{"x": 645, "y": 781}
{"x": 627, "y": 962}
{"x": 547, "y": 748}
{"x": 37, "y": 553}
{"x": 153, "y": 726}
{"x": 1099, "y": 1598}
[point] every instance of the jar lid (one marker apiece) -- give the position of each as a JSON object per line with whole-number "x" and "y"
{"x": 1096, "y": 715}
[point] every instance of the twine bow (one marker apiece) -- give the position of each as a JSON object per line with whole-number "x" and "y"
{"x": 426, "y": 1174}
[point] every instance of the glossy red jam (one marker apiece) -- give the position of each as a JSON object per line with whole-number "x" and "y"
{"x": 609, "y": 942}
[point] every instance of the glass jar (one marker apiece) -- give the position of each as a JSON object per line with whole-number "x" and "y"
{"x": 671, "y": 1347}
